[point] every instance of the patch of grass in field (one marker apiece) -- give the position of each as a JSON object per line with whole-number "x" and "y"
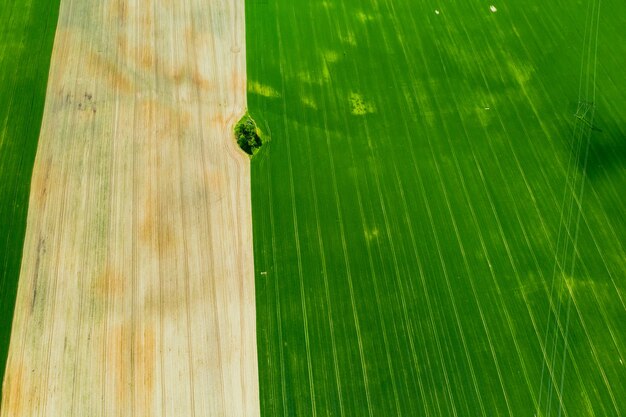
{"x": 416, "y": 215}
{"x": 26, "y": 36}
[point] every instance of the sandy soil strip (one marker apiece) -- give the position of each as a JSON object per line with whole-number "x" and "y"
{"x": 136, "y": 295}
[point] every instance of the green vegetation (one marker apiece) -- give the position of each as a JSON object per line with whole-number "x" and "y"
{"x": 248, "y": 135}
{"x": 419, "y": 246}
{"x": 26, "y": 36}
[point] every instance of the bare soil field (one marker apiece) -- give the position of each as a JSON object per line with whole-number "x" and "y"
{"x": 136, "y": 293}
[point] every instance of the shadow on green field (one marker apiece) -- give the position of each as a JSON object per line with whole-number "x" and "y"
{"x": 607, "y": 149}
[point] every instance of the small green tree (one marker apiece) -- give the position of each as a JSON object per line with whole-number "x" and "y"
{"x": 247, "y": 135}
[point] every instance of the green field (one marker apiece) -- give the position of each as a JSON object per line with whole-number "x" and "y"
{"x": 26, "y": 36}
{"x": 432, "y": 235}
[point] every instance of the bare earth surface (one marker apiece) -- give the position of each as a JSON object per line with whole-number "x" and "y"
{"x": 136, "y": 295}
